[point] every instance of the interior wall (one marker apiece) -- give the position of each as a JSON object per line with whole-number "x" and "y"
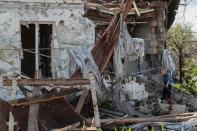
{"x": 138, "y": 31}
{"x": 153, "y": 42}
{"x": 131, "y": 67}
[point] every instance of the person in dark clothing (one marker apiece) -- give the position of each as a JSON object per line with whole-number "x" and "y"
{"x": 166, "y": 79}
{"x": 166, "y": 93}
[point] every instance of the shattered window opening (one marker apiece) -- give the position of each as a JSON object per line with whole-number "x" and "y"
{"x": 28, "y": 40}
{"x": 45, "y": 35}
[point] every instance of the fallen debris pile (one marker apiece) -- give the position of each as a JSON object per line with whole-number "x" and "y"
{"x": 151, "y": 112}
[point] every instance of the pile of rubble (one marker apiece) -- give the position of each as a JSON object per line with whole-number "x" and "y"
{"x": 149, "y": 110}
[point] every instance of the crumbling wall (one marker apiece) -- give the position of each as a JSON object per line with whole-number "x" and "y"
{"x": 152, "y": 51}
{"x": 153, "y": 31}
{"x": 75, "y": 31}
{"x": 154, "y": 34}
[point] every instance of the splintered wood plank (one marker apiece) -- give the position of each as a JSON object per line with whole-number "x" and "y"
{"x": 104, "y": 47}
{"x": 109, "y": 39}
{"x": 82, "y": 100}
{"x": 110, "y": 49}
{"x": 11, "y": 122}
{"x": 94, "y": 101}
{"x": 68, "y": 127}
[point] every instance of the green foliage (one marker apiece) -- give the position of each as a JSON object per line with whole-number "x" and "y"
{"x": 191, "y": 79}
{"x": 179, "y": 39}
{"x": 179, "y": 36}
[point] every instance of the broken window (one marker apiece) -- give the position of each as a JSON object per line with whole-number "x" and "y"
{"x": 45, "y": 49}
{"x": 28, "y": 42}
{"x": 36, "y": 43}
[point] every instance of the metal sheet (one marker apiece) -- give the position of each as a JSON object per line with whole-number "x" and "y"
{"x": 51, "y": 115}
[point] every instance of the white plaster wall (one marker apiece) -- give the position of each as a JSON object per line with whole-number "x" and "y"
{"x": 77, "y": 30}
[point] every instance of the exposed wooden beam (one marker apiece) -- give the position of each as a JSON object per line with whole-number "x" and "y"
{"x": 42, "y": 98}
{"x": 94, "y": 101}
{"x": 11, "y": 122}
{"x": 136, "y": 9}
{"x": 130, "y": 121}
{"x": 82, "y": 100}
{"x": 42, "y": 82}
{"x": 103, "y": 50}
{"x": 169, "y": 2}
{"x": 78, "y": 129}
{"x": 104, "y": 47}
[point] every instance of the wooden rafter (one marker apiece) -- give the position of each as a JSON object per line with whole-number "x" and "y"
{"x": 42, "y": 82}
{"x": 42, "y": 98}
{"x": 103, "y": 50}
{"x": 104, "y": 47}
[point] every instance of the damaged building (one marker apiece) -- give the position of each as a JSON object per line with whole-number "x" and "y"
{"x": 60, "y": 59}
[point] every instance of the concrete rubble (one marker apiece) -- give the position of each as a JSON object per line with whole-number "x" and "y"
{"x": 88, "y": 65}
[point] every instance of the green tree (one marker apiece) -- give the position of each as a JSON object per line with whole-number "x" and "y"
{"x": 181, "y": 40}
{"x": 178, "y": 38}
{"x": 191, "y": 79}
